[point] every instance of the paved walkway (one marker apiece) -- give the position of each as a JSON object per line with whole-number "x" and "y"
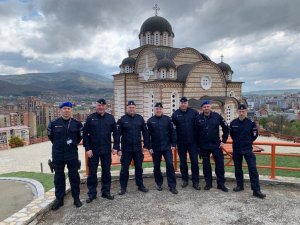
{"x": 188, "y": 207}
{"x": 28, "y": 158}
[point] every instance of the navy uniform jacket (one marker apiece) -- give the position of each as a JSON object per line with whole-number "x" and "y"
{"x": 243, "y": 133}
{"x": 59, "y": 132}
{"x": 208, "y": 132}
{"x": 130, "y": 130}
{"x": 162, "y": 133}
{"x": 184, "y": 122}
{"x": 97, "y": 133}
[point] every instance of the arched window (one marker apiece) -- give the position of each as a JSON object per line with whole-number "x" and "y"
{"x": 229, "y": 113}
{"x": 163, "y": 73}
{"x": 165, "y": 38}
{"x": 156, "y": 38}
{"x": 126, "y": 69}
{"x": 171, "y": 73}
{"x": 231, "y": 94}
{"x": 148, "y": 38}
{"x": 174, "y": 101}
{"x": 118, "y": 98}
{"x": 150, "y": 104}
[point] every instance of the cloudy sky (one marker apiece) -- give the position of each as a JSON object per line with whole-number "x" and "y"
{"x": 260, "y": 39}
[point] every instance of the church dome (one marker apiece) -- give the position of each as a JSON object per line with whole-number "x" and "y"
{"x": 165, "y": 63}
{"x": 156, "y": 23}
{"x": 128, "y": 61}
{"x": 225, "y": 68}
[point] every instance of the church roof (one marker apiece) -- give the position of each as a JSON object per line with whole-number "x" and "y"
{"x": 156, "y": 23}
{"x": 128, "y": 61}
{"x": 165, "y": 63}
{"x": 183, "y": 71}
{"x": 225, "y": 67}
{"x": 205, "y": 57}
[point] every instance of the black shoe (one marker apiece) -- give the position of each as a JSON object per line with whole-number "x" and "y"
{"x": 143, "y": 189}
{"x": 122, "y": 191}
{"x": 185, "y": 183}
{"x": 223, "y": 188}
{"x": 238, "y": 188}
{"x": 108, "y": 196}
{"x": 159, "y": 188}
{"x": 259, "y": 194}
{"x": 57, "y": 204}
{"x": 207, "y": 187}
{"x": 174, "y": 190}
{"x": 77, "y": 203}
{"x": 90, "y": 199}
{"x": 196, "y": 187}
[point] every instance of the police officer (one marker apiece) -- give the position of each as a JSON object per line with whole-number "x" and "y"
{"x": 162, "y": 142}
{"x": 98, "y": 128}
{"x": 184, "y": 120}
{"x": 207, "y": 127}
{"x": 130, "y": 127}
{"x": 243, "y": 132}
{"x": 65, "y": 133}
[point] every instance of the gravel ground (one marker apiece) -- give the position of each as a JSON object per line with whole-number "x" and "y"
{"x": 188, "y": 207}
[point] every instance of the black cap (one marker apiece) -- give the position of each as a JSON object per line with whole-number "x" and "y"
{"x": 183, "y": 99}
{"x": 102, "y": 101}
{"x": 242, "y": 106}
{"x": 205, "y": 102}
{"x": 130, "y": 103}
{"x": 158, "y": 104}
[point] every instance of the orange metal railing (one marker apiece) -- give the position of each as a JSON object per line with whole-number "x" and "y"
{"x": 227, "y": 149}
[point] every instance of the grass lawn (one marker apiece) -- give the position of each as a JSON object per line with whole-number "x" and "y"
{"x": 44, "y": 178}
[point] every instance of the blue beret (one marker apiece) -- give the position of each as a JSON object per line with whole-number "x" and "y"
{"x": 242, "y": 106}
{"x": 183, "y": 99}
{"x": 68, "y": 104}
{"x": 205, "y": 102}
{"x": 102, "y": 101}
{"x": 158, "y": 104}
{"x": 130, "y": 103}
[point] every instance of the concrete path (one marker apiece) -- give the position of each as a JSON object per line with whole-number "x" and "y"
{"x": 188, "y": 207}
{"x": 28, "y": 158}
{"x": 14, "y": 196}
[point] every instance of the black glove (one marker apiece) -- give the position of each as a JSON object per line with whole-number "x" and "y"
{"x": 50, "y": 163}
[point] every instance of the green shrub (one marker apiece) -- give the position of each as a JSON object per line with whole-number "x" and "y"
{"x": 16, "y": 142}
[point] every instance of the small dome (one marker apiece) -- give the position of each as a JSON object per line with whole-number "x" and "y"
{"x": 225, "y": 67}
{"x": 128, "y": 61}
{"x": 165, "y": 63}
{"x": 156, "y": 23}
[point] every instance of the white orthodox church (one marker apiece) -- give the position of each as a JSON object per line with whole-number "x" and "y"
{"x": 158, "y": 72}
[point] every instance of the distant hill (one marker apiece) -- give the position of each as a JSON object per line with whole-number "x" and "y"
{"x": 64, "y": 82}
{"x": 272, "y": 92}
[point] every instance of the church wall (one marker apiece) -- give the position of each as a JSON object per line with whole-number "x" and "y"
{"x": 193, "y": 88}
{"x": 187, "y": 56}
{"x": 236, "y": 88}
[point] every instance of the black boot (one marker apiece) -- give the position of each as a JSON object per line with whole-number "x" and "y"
{"x": 122, "y": 191}
{"x": 90, "y": 199}
{"x": 57, "y": 204}
{"x": 223, "y": 188}
{"x": 159, "y": 187}
{"x": 77, "y": 203}
{"x": 207, "y": 187}
{"x": 196, "y": 187}
{"x": 107, "y": 196}
{"x": 259, "y": 194}
{"x": 174, "y": 190}
{"x": 238, "y": 188}
{"x": 185, "y": 183}
{"x": 142, "y": 188}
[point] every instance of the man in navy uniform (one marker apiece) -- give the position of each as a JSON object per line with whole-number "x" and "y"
{"x": 243, "y": 133}
{"x": 208, "y": 133}
{"x": 65, "y": 133}
{"x": 98, "y": 128}
{"x": 184, "y": 120}
{"x": 162, "y": 142}
{"x": 131, "y": 127}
